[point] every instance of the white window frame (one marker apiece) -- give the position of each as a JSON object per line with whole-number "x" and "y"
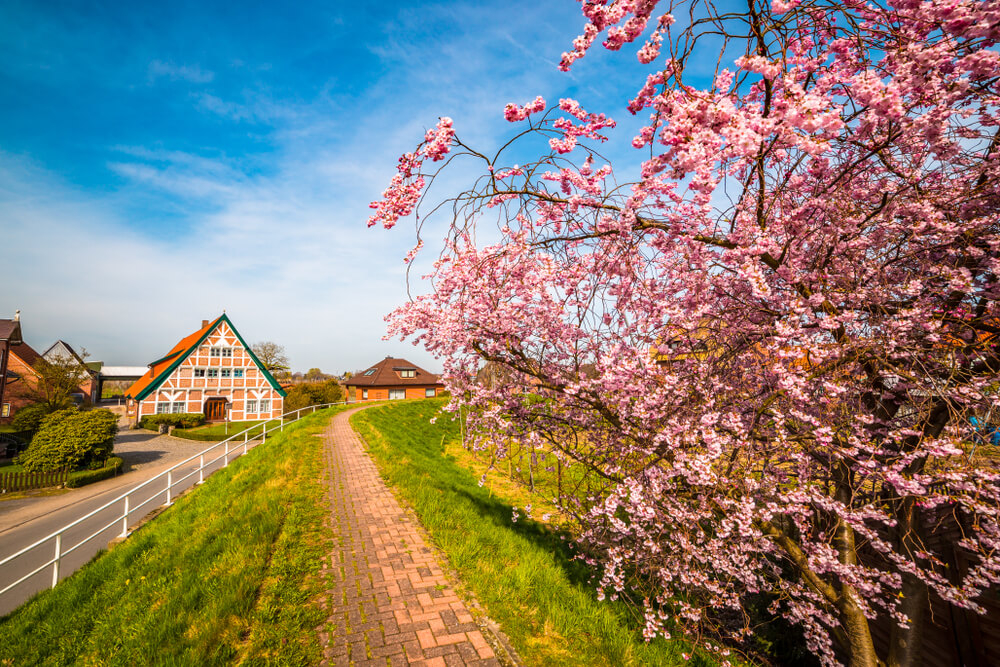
{"x": 213, "y": 373}
{"x": 219, "y": 352}
{"x": 430, "y": 392}
{"x": 226, "y": 373}
{"x": 397, "y": 394}
{"x": 364, "y": 394}
{"x": 237, "y": 372}
{"x": 408, "y": 373}
{"x": 264, "y": 405}
{"x": 251, "y": 406}
{"x": 199, "y": 372}
{"x": 178, "y": 407}
{"x": 162, "y": 408}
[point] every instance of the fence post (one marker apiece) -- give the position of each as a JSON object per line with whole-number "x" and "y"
{"x": 282, "y": 427}
{"x": 170, "y": 483}
{"x": 201, "y": 469}
{"x": 226, "y": 463}
{"x": 125, "y": 519}
{"x": 55, "y": 563}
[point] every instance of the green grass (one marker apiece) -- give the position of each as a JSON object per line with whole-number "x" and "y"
{"x": 523, "y": 573}
{"x": 227, "y": 575}
{"x": 216, "y": 432}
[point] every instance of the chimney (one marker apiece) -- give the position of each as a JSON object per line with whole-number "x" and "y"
{"x": 17, "y": 315}
{"x": 204, "y": 323}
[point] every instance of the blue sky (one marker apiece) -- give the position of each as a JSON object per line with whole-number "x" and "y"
{"x": 161, "y": 162}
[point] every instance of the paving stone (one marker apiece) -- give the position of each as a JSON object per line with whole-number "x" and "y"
{"x": 390, "y": 599}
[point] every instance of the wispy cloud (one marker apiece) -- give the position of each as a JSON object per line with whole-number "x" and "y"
{"x": 159, "y": 69}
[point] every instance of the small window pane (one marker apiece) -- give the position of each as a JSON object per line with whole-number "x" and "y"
{"x": 199, "y": 372}
{"x": 214, "y": 352}
{"x": 237, "y": 372}
{"x": 213, "y": 372}
{"x": 227, "y": 372}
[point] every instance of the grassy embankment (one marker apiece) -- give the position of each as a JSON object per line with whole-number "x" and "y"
{"x": 523, "y": 572}
{"x": 224, "y": 576}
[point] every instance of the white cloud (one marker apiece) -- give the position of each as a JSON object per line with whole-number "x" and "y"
{"x": 285, "y": 269}
{"x": 192, "y": 73}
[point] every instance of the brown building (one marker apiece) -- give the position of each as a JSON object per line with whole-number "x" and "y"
{"x": 392, "y": 379}
{"x": 17, "y": 360}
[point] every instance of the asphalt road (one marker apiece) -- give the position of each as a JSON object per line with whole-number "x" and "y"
{"x": 107, "y": 524}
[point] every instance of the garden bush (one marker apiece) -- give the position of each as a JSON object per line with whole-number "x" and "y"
{"x": 71, "y": 439}
{"x": 180, "y": 420}
{"x": 30, "y": 417}
{"x": 111, "y": 467}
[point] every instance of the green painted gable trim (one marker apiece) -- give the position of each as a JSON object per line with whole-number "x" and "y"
{"x": 155, "y": 384}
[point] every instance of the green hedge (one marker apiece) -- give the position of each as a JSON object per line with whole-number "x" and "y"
{"x": 71, "y": 439}
{"x": 112, "y": 467}
{"x": 180, "y": 420}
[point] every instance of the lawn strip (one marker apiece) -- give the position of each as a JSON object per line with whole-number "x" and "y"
{"x": 523, "y": 572}
{"x": 183, "y": 589}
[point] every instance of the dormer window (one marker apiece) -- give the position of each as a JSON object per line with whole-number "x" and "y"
{"x": 408, "y": 373}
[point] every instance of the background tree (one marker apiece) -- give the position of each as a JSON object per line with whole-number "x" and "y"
{"x": 58, "y": 379}
{"x": 314, "y": 375}
{"x": 272, "y": 356}
{"x": 791, "y": 308}
{"x": 313, "y": 393}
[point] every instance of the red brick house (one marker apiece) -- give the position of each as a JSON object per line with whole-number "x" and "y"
{"x": 212, "y": 371}
{"x": 17, "y": 361}
{"x": 392, "y": 379}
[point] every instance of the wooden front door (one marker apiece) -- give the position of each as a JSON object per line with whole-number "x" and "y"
{"x": 215, "y": 409}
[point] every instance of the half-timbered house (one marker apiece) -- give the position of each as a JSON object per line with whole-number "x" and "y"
{"x": 212, "y": 371}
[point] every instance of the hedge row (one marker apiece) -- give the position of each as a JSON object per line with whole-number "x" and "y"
{"x": 180, "y": 420}
{"x": 112, "y": 467}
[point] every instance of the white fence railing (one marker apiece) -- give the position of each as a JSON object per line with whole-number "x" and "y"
{"x": 167, "y": 477}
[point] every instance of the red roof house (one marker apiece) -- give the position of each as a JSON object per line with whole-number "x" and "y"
{"x": 392, "y": 379}
{"x": 212, "y": 371}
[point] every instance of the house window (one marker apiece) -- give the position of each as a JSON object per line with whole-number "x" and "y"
{"x": 162, "y": 408}
{"x": 6, "y": 410}
{"x": 397, "y": 394}
{"x": 251, "y": 405}
{"x": 213, "y": 372}
{"x": 199, "y": 372}
{"x": 237, "y": 372}
{"x": 364, "y": 394}
{"x": 265, "y": 405}
{"x": 221, "y": 352}
{"x": 227, "y": 372}
{"x": 408, "y": 373}
{"x": 429, "y": 392}
{"x": 177, "y": 407}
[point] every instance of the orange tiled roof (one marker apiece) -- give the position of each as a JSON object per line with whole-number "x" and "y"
{"x": 160, "y": 365}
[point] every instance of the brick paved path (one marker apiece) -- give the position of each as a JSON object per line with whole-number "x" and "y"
{"x": 390, "y": 603}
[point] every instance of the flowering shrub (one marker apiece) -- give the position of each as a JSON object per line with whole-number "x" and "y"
{"x": 764, "y": 345}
